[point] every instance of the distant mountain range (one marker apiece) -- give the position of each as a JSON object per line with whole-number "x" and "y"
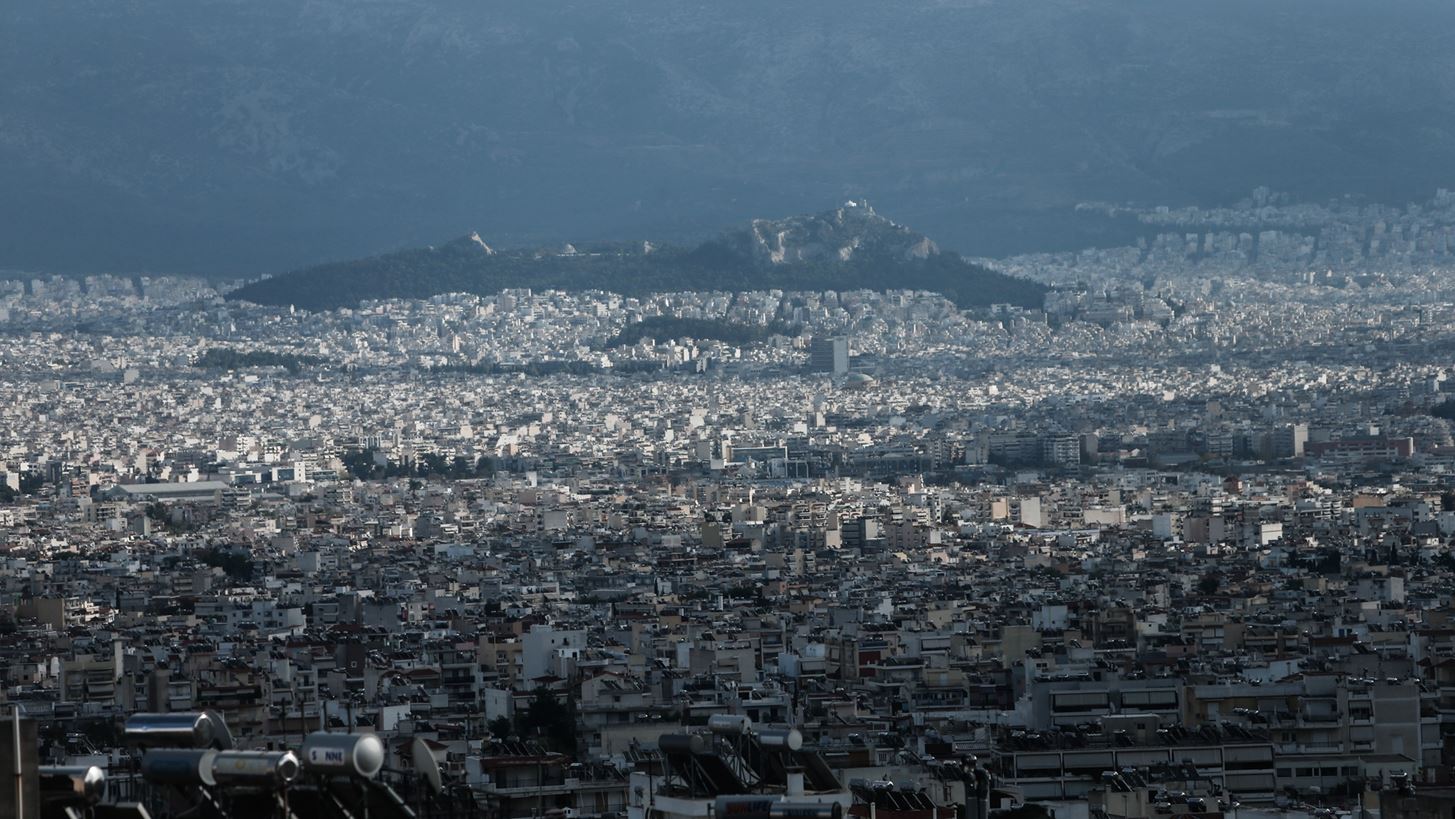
{"x": 849, "y": 248}
{"x": 245, "y": 138}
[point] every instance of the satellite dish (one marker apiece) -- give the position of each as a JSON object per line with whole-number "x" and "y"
{"x": 425, "y": 764}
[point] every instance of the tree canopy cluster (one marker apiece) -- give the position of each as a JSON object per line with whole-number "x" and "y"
{"x": 30, "y": 483}
{"x": 237, "y": 564}
{"x": 545, "y": 718}
{"x": 226, "y": 358}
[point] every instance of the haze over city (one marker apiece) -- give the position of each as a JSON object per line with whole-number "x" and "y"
{"x": 670, "y": 410}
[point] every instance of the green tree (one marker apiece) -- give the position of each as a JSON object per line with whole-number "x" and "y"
{"x": 432, "y": 463}
{"x": 1210, "y": 582}
{"x": 237, "y": 564}
{"x": 460, "y": 467}
{"x": 360, "y": 463}
{"x": 499, "y": 727}
{"x": 547, "y": 718}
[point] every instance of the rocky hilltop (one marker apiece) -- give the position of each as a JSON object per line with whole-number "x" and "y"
{"x": 850, "y": 247}
{"x": 839, "y": 235}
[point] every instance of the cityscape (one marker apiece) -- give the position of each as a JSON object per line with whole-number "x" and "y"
{"x": 1178, "y": 542}
{"x": 647, "y": 409}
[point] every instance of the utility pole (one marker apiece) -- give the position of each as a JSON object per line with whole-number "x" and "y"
{"x": 19, "y": 767}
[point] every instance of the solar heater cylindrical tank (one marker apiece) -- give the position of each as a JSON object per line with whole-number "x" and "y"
{"x": 790, "y": 739}
{"x": 195, "y": 729}
{"x": 729, "y": 724}
{"x": 768, "y": 807}
{"x": 356, "y": 755}
{"x": 682, "y": 744}
{"x": 265, "y": 769}
{"x": 86, "y": 783}
{"x": 177, "y": 766}
{"x": 807, "y": 810}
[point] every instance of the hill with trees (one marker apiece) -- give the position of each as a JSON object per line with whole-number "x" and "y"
{"x": 849, "y": 248}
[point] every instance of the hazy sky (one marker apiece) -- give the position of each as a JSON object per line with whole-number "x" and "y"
{"x": 249, "y": 137}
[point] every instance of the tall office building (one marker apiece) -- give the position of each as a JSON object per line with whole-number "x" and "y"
{"x": 1064, "y": 450}
{"x": 829, "y": 355}
{"x": 1289, "y": 441}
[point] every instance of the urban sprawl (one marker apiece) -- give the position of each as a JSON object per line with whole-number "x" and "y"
{"x": 1180, "y": 542}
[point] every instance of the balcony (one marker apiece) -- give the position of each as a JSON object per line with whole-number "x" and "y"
{"x": 520, "y": 787}
{"x": 1310, "y": 747}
